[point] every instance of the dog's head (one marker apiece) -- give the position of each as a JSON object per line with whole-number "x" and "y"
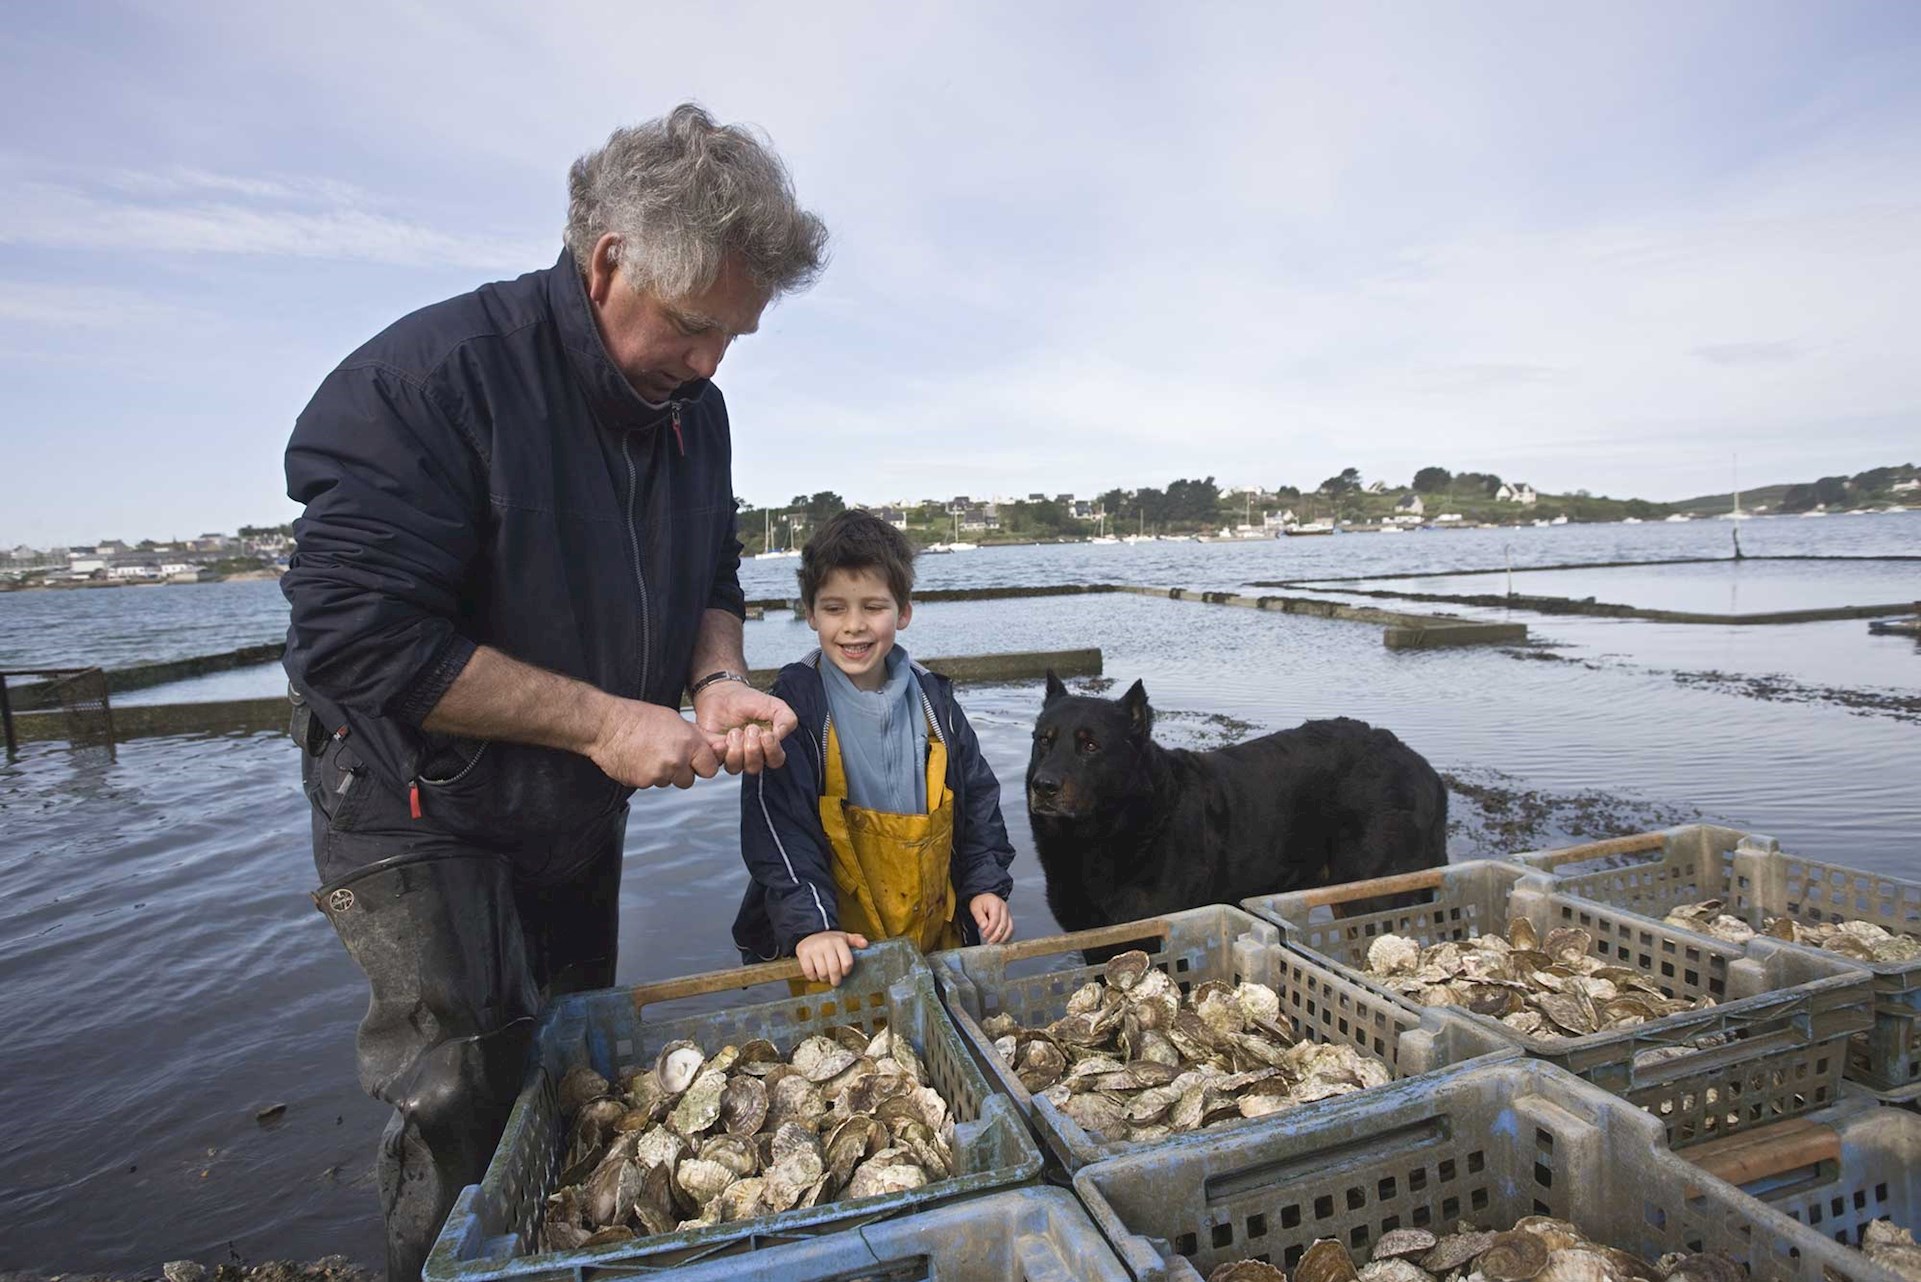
{"x": 1087, "y": 751}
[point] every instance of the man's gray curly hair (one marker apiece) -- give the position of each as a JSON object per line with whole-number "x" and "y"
{"x": 683, "y": 193}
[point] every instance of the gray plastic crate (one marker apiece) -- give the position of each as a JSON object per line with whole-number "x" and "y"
{"x": 1488, "y": 1145}
{"x": 1758, "y": 880}
{"x": 1783, "y": 1018}
{"x": 489, "y": 1231}
{"x": 1021, "y": 1235}
{"x": 1193, "y": 947}
{"x": 1835, "y": 1171}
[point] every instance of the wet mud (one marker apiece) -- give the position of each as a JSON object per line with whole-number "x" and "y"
{"x": 1894, "y": 704}
{"x": 1492, "y": 813}
{"x": 331, "y": 1268}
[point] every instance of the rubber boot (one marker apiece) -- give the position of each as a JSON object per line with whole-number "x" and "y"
{"x": 447, "y": 1028}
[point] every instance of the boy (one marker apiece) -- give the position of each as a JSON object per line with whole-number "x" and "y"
{"x": 885, "y": 821}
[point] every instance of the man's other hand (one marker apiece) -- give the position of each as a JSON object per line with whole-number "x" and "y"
{"x": 827, "y": 956}
{"x": 744, "y": 726}
{"x": 644, "y": 745}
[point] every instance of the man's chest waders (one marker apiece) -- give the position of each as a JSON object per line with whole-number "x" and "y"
{"x": 893, "y": 873}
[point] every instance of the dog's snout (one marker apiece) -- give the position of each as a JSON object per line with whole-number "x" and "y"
{"x": 1045, "y": 786}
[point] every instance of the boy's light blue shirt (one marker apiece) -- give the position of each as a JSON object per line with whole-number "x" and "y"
{"x": 882, "y": 735}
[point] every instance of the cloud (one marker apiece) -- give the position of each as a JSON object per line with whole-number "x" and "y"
{"x": 1747, "y": 353}
{"x": 34, "y": 304}
{"x": 194, "y": 212}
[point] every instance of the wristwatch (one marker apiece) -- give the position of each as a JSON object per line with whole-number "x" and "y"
{"x": 712, "y": 677}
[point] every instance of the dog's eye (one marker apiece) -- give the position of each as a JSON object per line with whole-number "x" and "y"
{"x": 1043, "y": 737}
{"x": 1089, "y": 747}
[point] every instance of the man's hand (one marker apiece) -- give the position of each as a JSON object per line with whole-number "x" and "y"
{"x": 644, "y": 745}
{"x": 827, "y": 956}
{"x": 991, "y": 915}
{"x": 744, "y": 726}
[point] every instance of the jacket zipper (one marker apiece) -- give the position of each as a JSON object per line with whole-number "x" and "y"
{"x": 633, "y": 543}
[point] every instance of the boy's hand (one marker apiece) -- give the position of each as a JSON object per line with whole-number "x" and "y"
{"x": 744, "y": 726}
{"x": 827, "y": 956}
{"x": 993, "y": 918}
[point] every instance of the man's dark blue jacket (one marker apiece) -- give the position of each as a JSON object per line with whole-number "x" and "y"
{"x": 481, "y": 473}
{"x": 791, "y": 895}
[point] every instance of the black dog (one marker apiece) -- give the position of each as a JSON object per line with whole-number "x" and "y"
{"x": 1127, "y": 829}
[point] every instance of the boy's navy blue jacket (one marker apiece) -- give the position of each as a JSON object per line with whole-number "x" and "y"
{"x": 481, "y": 473}
{"x": 791, "y": 894}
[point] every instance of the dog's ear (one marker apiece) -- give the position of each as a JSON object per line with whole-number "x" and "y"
{"x": 1055, "y": 689}
{"x": 1138, "y": 713}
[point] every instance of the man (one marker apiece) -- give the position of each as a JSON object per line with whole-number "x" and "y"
{"x": 518, "y": 550}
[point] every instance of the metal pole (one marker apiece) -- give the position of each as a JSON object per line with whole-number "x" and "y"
{"x": 6, "y": 715}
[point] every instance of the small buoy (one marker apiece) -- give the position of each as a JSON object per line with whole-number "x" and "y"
{"x": 271, "y": 1113}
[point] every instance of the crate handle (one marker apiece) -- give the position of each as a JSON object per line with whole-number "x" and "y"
{"x": 1636, "y": 844}
{"x": 1798, "y": 1032}
{"x": 718, "y": 981}
{"x": 1396, "y": 1143}
{"x": 1321, "y": 896}
{"x": 1048, "y": 944}
{"x": 1766, "y": 1153}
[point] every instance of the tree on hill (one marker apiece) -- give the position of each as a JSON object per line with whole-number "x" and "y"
{"x": 819, "y": 507}
{"x": 1432, "y": 480}
{"x": 1348, "y": 481}
{"x": 1483, "y": 484}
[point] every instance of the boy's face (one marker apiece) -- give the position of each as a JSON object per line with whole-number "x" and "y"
{"x": 856, "y": 616}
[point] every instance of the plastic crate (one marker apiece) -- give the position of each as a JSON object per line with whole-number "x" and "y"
{"x": 1783, "y": 1018}
{"x": 1758, "y": 880}
{"x": 1835, "y": 1171}
{"x": 488, "y": 1233}
{"x": 1193, "y": 947}
{"x": 1021, "y": 1235}
{"x": 1488, "y": 1145}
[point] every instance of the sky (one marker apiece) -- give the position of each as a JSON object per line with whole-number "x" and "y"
{"x": 1612, "y": 247}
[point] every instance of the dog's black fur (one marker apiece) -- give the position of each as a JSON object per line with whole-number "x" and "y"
{"x": 1128, "y": 829}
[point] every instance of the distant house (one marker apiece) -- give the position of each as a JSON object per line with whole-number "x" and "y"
{"x": 1519, "y": 492}
{"x": 1411, "y": 505}
{"x": 1903, "y": 487}
{"x": 1083, "y": 509}
{"x": 959, "y": 503}
{"x": 893, "y": 516}
{"x": 1448, "y": 518}
{"x": 980, "y": 517}
{"x": 1276, "y": 520}
{"x": 136, "y": 570}
{"x": 82, "y": 567}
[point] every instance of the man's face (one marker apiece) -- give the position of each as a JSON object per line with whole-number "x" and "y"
{"x": 660, "y": 344}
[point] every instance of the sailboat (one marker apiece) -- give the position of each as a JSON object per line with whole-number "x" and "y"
{"x": 1141, "y": 536}
{"x": 957, "y": 545}
{"x": 1103, "y": 536}
{"x": 1737, "y": 514}
{"x": 767, "y": 541}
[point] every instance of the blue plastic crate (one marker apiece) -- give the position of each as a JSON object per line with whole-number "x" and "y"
{"x": 489, "y": 1231}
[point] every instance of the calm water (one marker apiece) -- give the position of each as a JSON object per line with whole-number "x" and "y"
{"x": 163, "y": 976}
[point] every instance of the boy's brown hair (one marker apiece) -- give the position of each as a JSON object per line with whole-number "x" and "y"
{"x": 854, "y": 540}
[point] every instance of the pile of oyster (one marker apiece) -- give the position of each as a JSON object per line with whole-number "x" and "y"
{"x": 693, "y": 1140}
{"x": 1536, "y": 1249}
{"x": 1550, "y": 987}
{"x": 1858, "y": 940}
{"x": 1134, "y": 1060}
{"x": 1892, "y": 1247}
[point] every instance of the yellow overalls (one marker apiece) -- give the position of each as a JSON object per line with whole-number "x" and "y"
{"x": 892, "y": 873}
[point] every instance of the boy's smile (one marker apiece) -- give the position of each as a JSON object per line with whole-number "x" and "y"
{"x": 856, "y": 615}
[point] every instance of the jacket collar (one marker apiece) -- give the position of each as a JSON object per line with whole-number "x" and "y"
{"x": 616, "y": 405}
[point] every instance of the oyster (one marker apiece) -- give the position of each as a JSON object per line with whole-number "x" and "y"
{"x": 1326, "y": 1261}
{"x": 690, "y": 1141}
{"x": 699, "y": 1106}
{"x": 1550, "y": 988}
{"x": 819, "y": 1058}
{"x": 743, "y": 1105}
{"x": 1247, "y": 1271}
{"x": 679, "y": 1063}
{"x": 578, "y": 1086}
